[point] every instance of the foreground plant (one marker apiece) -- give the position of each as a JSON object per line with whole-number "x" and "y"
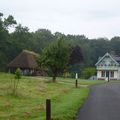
{"x": 18, "y": 75}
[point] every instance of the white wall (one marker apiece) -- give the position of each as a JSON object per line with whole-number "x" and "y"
{"x": 119, "y": 74}
{"x": 99, "y": 75}
{"x": 116, "y": 75}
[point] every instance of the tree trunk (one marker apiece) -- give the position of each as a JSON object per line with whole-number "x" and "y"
{"x": 54, "y": 73}
{"x": 54, "y": 78}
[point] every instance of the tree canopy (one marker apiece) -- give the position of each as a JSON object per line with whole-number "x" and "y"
{"x": 56, "y": 57}
{"x": 12, "y": 43}
{"x": 76, "y": 55}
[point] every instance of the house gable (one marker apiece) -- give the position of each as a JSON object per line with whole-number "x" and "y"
{"x": 107, "y": 60}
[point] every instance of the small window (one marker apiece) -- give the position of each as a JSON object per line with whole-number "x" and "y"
{"x": 102, "y": 73}
{"x": 112, "y": 74}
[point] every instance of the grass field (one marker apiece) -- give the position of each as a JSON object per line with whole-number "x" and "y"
{"x": 29, "y": 104}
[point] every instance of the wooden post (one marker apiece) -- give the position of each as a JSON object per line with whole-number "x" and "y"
{"x": 48, "y": 109}
{"x": 76, "y": 82}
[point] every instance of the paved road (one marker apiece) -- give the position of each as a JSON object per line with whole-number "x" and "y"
{"x": 103, "y": 103}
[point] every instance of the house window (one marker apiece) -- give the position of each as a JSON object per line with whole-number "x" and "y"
{"x": 102, "y": 73}
{"x": 112, "y": 74}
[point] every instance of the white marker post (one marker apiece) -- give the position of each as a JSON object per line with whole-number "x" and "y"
{"x": 76, "y": 83}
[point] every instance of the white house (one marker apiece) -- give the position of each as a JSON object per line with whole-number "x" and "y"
{"x": 108, "y": 67}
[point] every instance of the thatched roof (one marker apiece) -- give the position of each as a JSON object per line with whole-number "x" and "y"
{"x": 26, "y": 59}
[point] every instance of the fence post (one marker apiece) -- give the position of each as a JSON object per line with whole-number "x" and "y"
{"x": 48, "y": 109}
{"x": 76, "y": 82}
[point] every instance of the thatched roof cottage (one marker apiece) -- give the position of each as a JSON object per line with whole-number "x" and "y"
{"x": 26, "y": 61}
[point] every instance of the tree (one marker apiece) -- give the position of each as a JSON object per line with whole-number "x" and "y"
{"x": 76, "y": 55}
{"x": 59, "y": 35}
{"x": 55, "y": 57}
{"x": 115, "y": 42}
{"x": 9, "y": 21}
{"x": 41, "y": 38}
{"x": 88, "y": 72}
{"x": 18, "y": 75}
{"x": 20, "y": 39}
{"x": 4, "y": 39}
{"x": 76, "y": 58}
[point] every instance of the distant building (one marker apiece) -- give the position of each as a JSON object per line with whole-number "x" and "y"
{"x": 26, "y": 61}
{"x": 108, "y": 67}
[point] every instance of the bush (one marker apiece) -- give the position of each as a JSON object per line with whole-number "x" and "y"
{"x": 88, "y": 72}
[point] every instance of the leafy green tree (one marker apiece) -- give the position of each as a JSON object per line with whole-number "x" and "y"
{"x": 88, "y": 72}
{"x": 20, "y": 39}
{"x": 115, "y": 45}
{"x": 56, "y": 57}
{"x": 41, "y": 38}
{"x": 9, "y": 21}
{"x": 59, "y": 35}
{"x": 4, "y": 39}
{"x": 18, "y": 75}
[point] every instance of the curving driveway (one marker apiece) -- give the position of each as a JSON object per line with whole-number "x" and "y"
{"x": 103, "y": 103}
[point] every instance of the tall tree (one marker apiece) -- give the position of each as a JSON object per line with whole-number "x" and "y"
{"x": 42, "y": 38}
{"x": 76, "y": 58}
{"x": 4, "y": 39}
{"x": 21, "y": 37}
{"x": 76, "y": 55}
{"x": 9, "y": 21}
{"x": 115, "y": 45}
{"x": 56, "y": 57}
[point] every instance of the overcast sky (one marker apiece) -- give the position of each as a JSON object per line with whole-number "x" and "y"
{"x": 93, "y": 18}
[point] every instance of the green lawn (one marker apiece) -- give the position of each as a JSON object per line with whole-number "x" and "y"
{"x": 32, "y": 93}
{"x": 81, "y": 82}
